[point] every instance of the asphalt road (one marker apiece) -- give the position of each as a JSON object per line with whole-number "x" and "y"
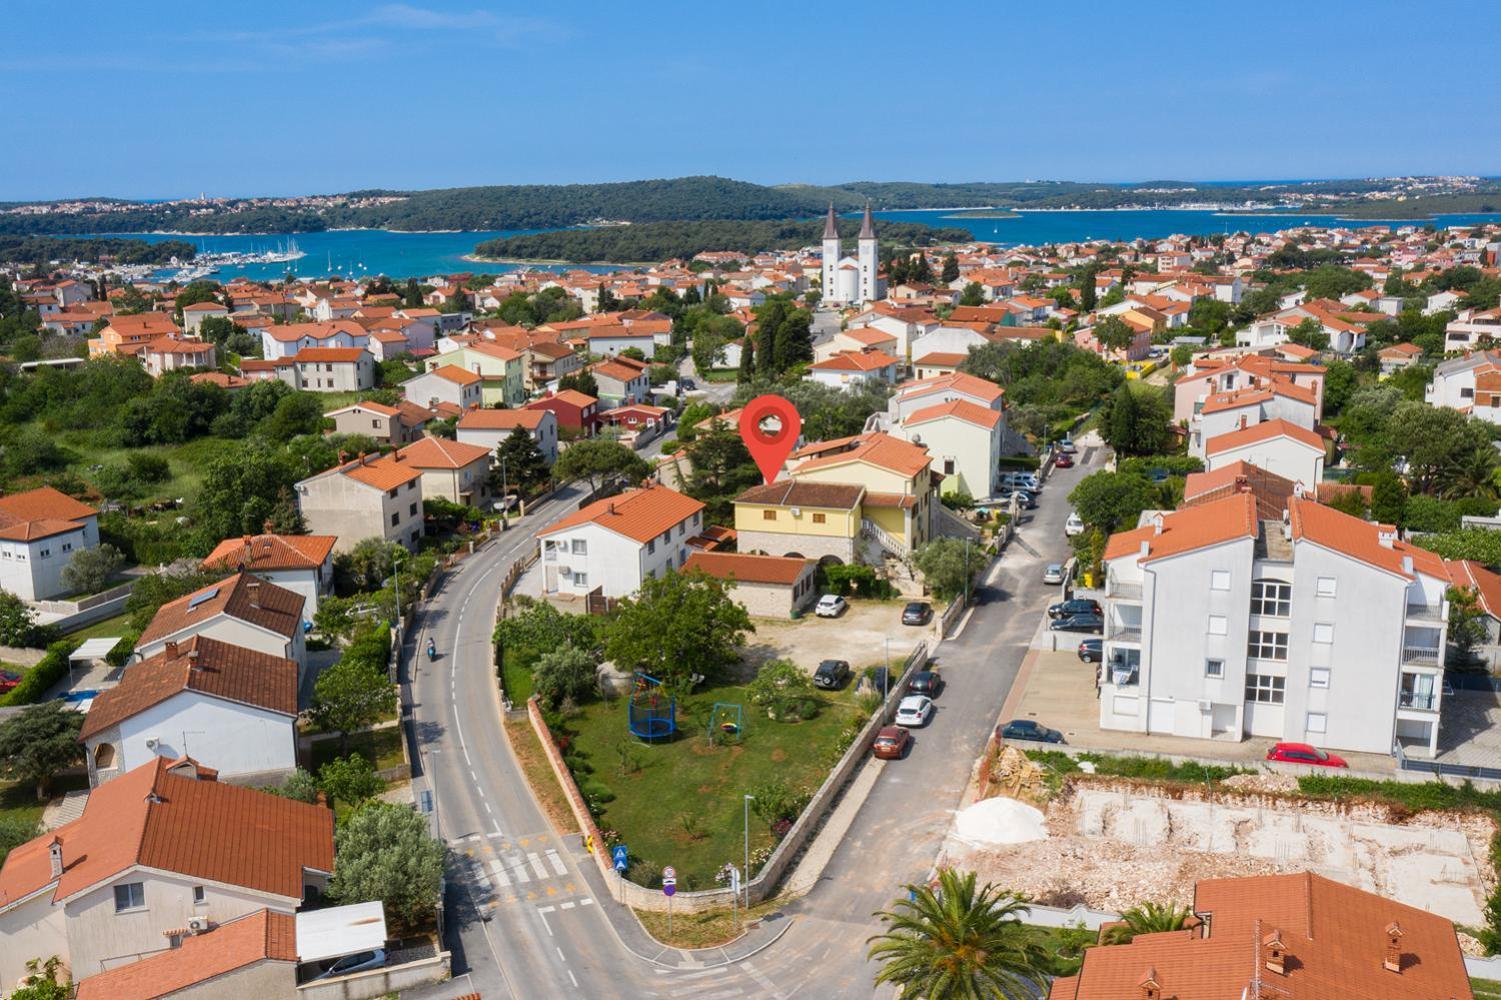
{"x": 523, "y": 923}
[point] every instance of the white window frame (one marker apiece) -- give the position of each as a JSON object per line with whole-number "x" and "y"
{"x": 1319, "y": 677}
{"x": 1328, "y": 586}
{"x": 1218, "y": 625}
{"x": 1317, "y": 722}
{"x": 1219, "y": 579}
{"x": 1323, "y": 632}
{"x": 1214, "y": 667}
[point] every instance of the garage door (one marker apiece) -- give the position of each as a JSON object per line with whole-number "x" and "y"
{"x": 1263, "y": 719}
{"x": 1160, "y": 715}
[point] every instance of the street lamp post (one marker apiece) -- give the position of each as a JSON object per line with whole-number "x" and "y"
{"x": 745, "y": 878}
{"x": 505, "y": 495}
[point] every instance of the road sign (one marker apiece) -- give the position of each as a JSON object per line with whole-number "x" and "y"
{"x": 621, "y": 855}
{"x": 669, "y": 874}
{"x": 734, "y": 881}
{"x": 668, "y": 888}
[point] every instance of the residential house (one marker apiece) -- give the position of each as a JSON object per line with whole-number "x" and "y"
{"x": 488, "y": 428}
{"x": 577, "y": 412}
{"x": 40, "y": 532}
{"x": 937, "y": 364}
{"x": 856, "y": 338}
{"x": 1473, "y": 329}
{"x": 1223, "y": 412}
{"x": 546, "y": 362}
{"x": 621, "y": 381}
{"x": 446, "y": 384}
{"x": 609, "y": 340}
{"x": 451, "y": 470}
{"x": 284, "y": 341}
{"x": 156, "y": 850}
{"x": 854, "y": 369}
{"x": 1398, "y": 356}
{"x": 393, "y": 425}
{"x": 231, "y": 705}
{"x": 371, "y": 497}
{"x": 1291, "y": 451}
{"x": 766, "y": 586}
{"x": 1286, "y": 936}
{"x": 920, "y": 394}
{"x": 501, "y": 370}
{"x": 194, "y": 315}
{"x": 302, "y": 564}
{"x": 1207, "y": 376}
{"x": 964, "y": 441}
{"x": 242, "y": 610}
{"x": 613, "y": 544}
{"x": 1313, "y": 627}
{"x": 1470, "y": 384}
{"x": 128, "y": 334}
{"x": 166, "y": 354}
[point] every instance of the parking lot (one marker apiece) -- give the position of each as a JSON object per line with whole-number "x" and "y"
{"x": 859, "y": 635}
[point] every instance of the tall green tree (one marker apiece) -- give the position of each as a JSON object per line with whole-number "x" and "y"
{"x": 351, "y": 695}
{"x": 958, "y": 943}
{"x": 525, "y": 466}
{"x": 597, "y": 460}
{"x": 722, "y": 470}
{"x": 384, "y": 852}
{"x": 950, "y": 271}
{"x": 747, "y": 371}
{"x": 38, "y": 742}
{"x": 1114, "y": 333}
{"x": 676, "y": 625}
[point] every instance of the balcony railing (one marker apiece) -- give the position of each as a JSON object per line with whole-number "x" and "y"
{"x": 1425, "y": 612}
{"x": 1122, "y": 590}
{"x": 1421, "y": 702}
{"x": 1427, "y": 656}
{"x": 1118, "y": 632}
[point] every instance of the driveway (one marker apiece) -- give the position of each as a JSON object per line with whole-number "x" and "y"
{"x": 859, "y": 635}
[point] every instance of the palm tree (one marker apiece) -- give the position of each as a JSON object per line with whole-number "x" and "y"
{"x": 957, "y": 944}
{"x": 1148, "y": 918}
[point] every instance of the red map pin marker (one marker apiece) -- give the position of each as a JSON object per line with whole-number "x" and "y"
{"x": 769, "y": 448}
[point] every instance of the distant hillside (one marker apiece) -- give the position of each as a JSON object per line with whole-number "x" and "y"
{"x": 45, "y": 249}
{"x": 657, "y": 241}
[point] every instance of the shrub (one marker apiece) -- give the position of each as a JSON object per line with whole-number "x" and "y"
{"x": 46, "y": 673}
{"x": 854, "y": 579}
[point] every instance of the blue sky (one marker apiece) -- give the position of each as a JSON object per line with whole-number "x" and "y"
{"x": 170, "y": 99}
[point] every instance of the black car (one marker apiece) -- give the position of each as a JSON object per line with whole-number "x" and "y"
{"x": 688, "y": 384}
{"x": 1091, "y": 650}
{"x": 1079, "y": 623}
{"x": 1077, "y": 606}
{"x": 917, "y": 613}
{"x": 831, "y": 674}
{"x": 925, "y": 682}
{"x": 1026, "y": 729}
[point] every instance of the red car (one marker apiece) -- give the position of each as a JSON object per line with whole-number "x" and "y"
{"x": 1063, "y": 462}
{"x": 1302, "y": 753}
{"x": 8, "y": 681}
{"x": 891, "y": 743}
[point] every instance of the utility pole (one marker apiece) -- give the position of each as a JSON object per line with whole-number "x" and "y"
{"x": 505, "y": 497}
{"x": 746, "y": 877}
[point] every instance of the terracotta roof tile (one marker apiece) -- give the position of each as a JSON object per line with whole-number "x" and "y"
{"x": 1189, "y": 529}
{"x": 441, "y": 453}
{"x": 258, "y": 936}
{"x": 868, "y": 360}
{"x": 880, "y": 450}
{"x": 241, "y": 596}
{"x": 1264, "y": 431}
{"x": 785, "y": 570}
{"x": 500, "y": 420}
{"x": 43, "y": 503}
{"x": 455, "y": 374}
{"x": 271, "y": 552}
{"x": 961, "y": 409}
{"x": 1373, "y": 544}
{"x": 639, "y": 514}
{"x": 384, "y": 473}
{"x": 970, "y": 385}
{"x": 787, "y": 492}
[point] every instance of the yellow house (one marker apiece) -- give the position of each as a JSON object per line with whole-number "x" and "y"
{"x": 845, "y": 498}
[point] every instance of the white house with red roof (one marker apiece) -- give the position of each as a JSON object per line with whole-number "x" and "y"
{"x": 854, "y": 369}
{"x": 1279, "y": 446}
{"x": 451, "y": 470}
{"x": 918, "y": 394}
{"x": 368, "y": 498}
{"x": 303, "y": 564}
{"x": 155, "y": 851}
{"x": 445, "y": 384}
{"x": 489, "y": 428}
{"x": 286, "y": 340}
{"x": 1315, "y": 627}
{"x": 963, "y": 439}
{"x": 41, "y": 531}
{"x": 1223, "y": 412}
{"x": 613, "y": 544}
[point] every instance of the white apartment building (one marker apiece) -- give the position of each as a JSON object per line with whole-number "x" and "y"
{"x": 1279, "y": 446}
{"x": 1460, "y": 382}
{"x": 367, "y": 498}
{"x": 615, "y": 543}
{"x": 1319, "y": 628}
{"x": 41, "y": 531}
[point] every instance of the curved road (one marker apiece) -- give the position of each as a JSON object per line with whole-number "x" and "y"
{"x": 523, "y": 921}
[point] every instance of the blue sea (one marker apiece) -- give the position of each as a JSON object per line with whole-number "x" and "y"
{"x": 358, "y": 252}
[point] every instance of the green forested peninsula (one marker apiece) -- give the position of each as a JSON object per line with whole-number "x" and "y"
{"x": 43, "y": 249}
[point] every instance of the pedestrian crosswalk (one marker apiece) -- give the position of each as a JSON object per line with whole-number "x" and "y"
{"x": 517, "y": 869}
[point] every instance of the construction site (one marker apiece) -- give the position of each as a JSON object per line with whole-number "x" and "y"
{"x": 1113, "y": 843}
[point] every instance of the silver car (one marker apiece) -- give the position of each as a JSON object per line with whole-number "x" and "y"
{"x": 1053, "y": 574}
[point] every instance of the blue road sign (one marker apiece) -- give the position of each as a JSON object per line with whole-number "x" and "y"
{"x": 668, "y": 888}
{"x": 620, "y": 854}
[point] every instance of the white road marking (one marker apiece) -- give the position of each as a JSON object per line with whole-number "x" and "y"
{"x": 545, "y": 923}
{"x": 566, "y": 906}
{"x": 761, "y": 980}
{"x": 575, "y": 982}
{"x": 546, "y": 909}
{"x": 487, "y": 807}
{"x": 518, "y": 869}
{"x": 586, "y": 901}
{"x": 500, "y": 874}
{"x": 561, "y": 957}
{"x": 537, "y": 865}
{"x": 557, "y": 863}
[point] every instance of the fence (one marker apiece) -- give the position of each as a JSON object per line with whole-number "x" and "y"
{"x": 762, "y": 886}
{"x": 380, "y": 982}
{"x": 119, "y": 592}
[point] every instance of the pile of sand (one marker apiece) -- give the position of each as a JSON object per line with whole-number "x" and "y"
{"x": 998, "y": 821}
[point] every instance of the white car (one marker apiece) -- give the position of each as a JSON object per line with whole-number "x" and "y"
{"x": 1053, "y": 574}
{"x": 1067, "y": 446}
{"x": 1074, "y": 525}
{"x": 830, "y": 606}
{"x": 914, "y": 710}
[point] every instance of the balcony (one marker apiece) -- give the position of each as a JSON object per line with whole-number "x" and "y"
{"x": 1420, "y": 701}
{"x": 1426, "y": 613}
{"x": 1423, "y": 656}
{"x": 1122, "y": 591}
{"x": 1123, "y": 632}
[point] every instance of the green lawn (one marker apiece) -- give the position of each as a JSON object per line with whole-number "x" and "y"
{"x": 187, "y": 461}
{"x": 679, "y": 803}
{"x": 1486, "y": 989}
{"x": 116, "y": 626}
{"x": 21, "y": 810}
{"x": 381, "y": 746}
{"x": 516, "y": 677}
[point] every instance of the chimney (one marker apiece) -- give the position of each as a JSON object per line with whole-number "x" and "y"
{"x": 253, "y": 588}
{"x": 1150, "y": 988}
{"x": 1276, "y": 952}
{"x": 1392, "y": 960}
{"x": 55, "y": 854}
{"x": 171, "y": 649}
{"x": 1242, "y": 422}
{"x": 1157, "y": 520}
{"x": 611, "y": 508}
{"x": 1386, "y": 534}
{"x": 1407, "y": 565}
{"x": 1242, "y": 484}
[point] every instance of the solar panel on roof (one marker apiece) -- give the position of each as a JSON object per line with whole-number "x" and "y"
{"x": 200, "y": 598}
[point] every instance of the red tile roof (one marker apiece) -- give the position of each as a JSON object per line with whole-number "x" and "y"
{"x": 441, "y": 453}
{"x": 162, "y": 815}
{"x": 640, "y": 514}
{"x": 961, "y": 409}
{"x": 455, "y": 374}
{"x": 868, "y": 360}
{"x": 384, "y": 473}
{"x": 1264, "y": 431}
{"x": 880, "y": 450}
{"x": 256, "y": 937}
{"x": 331, "y": 355}
{"x": 271, "y": 552}
{"x": 787, "y": 492}
{"x": 1485, "y": 584}
{"x": 1374, "y": 544}
{"x": 500, "y": 420}
{"x": 241, "y": 596}
{"x": 970, "y": 385}
{"x": 783, "y": 570}
{"x": 1189, "y": 529}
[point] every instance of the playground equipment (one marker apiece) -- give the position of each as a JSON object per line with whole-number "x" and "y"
{"x": 726, "y": 722}
{"x": 652, "y": 713}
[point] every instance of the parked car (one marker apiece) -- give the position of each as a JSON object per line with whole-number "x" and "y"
{"x": 1021, "y": 481}
{"x": 914, "y": 710}
{"x": 1026, "y": 729}
{"x": 1077, "y": 606}
{"x": 1063, "y": 461}
{"x": 831, "y": 674}
{"x": 358, "y": 962}
{"x": 1091, "y": 650}
{"x": 830, "y": 606}
{"x": 925, "y": 682}
{"x": 687, "y": 384}
{"x": 1158, "y": 475}
{"x": 8, "y": 681}
{"x": 1067, "y": 446}
{"x": 1053, "y": 573}
{"x": 891, "y": 743}
{"x": 917, "y": 613}
{"x": 1303, "y": 753}
{"x": 1078, "y": 623}
{"x": 1024, "y": 500}
{"x": 1074, "y": 525}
